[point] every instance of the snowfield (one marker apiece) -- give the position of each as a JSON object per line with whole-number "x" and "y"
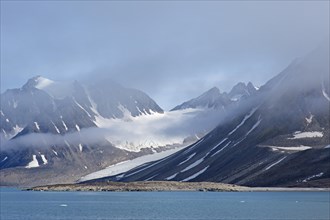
{"x": 299, "y": 148}
{"x": 195, "y": 175}
{"x": 293, "y": 148}
{"x": 34, "y": 163}
{"x": 310, "y": 134}
{"x": 274, "y": 164}
{"x": 129, "y": 164}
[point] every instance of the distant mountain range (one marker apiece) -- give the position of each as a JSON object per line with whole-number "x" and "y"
{"x": 275, "y": 135}
{"x": 213, "y": 98}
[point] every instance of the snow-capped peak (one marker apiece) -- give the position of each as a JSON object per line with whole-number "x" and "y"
{"x": 208, "y": 99}
{"x": 42, "y": 82}
{"x": 58, "y": 90}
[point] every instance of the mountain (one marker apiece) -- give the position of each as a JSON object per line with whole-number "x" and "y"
{"x": 210, "y": 99}
{"x": 54, "y": 127}
{"x": 277, "y": 137}
{"x": 214, "y": 99}
{"x": 44, "y": 106}
{"x": 242, "y": 91}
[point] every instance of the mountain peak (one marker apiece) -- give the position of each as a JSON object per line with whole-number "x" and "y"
{"x": 214, "y": 90}
{"x": 209, "y": 99}
{"x": 242, "y": 90}
{"x": 38, "y": 82}
{"x": 42, "y": 82}
{"x": 211, "y": 94}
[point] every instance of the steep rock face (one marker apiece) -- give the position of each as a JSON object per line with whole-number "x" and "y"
{"x": 278, "y": 137}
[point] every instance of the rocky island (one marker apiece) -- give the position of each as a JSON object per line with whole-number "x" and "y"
{"x": 142, "y": 186}
{"x": 158, "y": 186}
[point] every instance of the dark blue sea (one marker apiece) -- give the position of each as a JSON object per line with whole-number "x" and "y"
{"x": 26, "y": 205}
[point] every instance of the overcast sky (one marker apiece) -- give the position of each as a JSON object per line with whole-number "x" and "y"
{"x": 171, "y": 50}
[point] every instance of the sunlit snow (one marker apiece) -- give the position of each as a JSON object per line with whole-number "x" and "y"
{"x": 3, "y": 160}
{"x": 195, "y": 175}
{"x": 37, "y": 125}
{"x": 43, "y": 82}
{"x": 44, "y": 159}
{"x": 324, "y": 93}
{"x": 129, "y": 164}
{"x": 309, "y": 134}
{"x": 172, "y": 176}
{"x": 66, "y": 128}
{"x": 313, "y": 177}
{"x": 274, "y": 164}
{"x": 243, "y": 121}
{"x": 191, "y": 156}
{"x": 196, "y": 163}
{"x": 33, "y": 163}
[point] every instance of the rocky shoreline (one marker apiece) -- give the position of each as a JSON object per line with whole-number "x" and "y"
{"x": 151, "y": 186}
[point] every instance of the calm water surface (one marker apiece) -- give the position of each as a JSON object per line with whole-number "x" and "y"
{"x": 25, "y": 205}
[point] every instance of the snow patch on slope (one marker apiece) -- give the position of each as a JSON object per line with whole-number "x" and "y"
{"x": 299, "y": 148}
{"x": 274, "y": 164}
{"x": 34, "y": 163}
{"x": 44, "y": 159}
{"x": 56, "y": 128}
{"x": 17, "y": 129}
{"x": 310, "y": 134}
{"x": 65, "y": 127}
{"x": 129, "y": 164}
{"x": 310, "y": 119}
{"x": 196, "y": 163}
{"x": 224, "y": 147}
{"x": 191, "y": 156}
{"x": 82, "y": 108}
{"x": 313, "y": 177}
{"x": 254, "y": 127}
{"x": 4, "y": 159}
{"x": 243, "y": 121}
{"x": 37, "y": 125}
{"x": 324, "y": 93}
{"x": 172, "y": 176}
{"x": 195, "y": 175}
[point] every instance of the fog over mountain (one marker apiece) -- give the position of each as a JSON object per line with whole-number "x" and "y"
{"x": 280, "y": 137}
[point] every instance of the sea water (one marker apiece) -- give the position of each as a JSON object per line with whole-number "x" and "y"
{"x": 26, "y": 205}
